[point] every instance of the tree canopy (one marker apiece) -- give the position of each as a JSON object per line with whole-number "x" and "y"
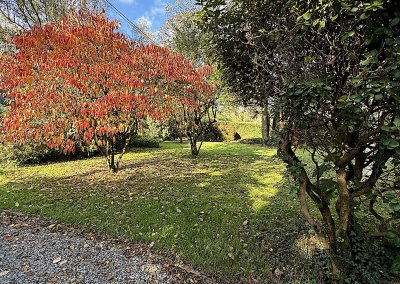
{"x": 332, "y": 70}
{"x": 80, "y": 82}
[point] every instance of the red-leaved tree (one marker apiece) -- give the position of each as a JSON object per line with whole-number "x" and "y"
{"x": 194, "y": 110}
{"x": 80, "y": 82}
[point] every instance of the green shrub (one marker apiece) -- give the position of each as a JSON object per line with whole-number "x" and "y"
{"x": 27, "y": 154}
{"x": 171, "y": 132}
{"x": 151, "y": 128}
{"x": 213, "y": 134}
{"x": 30, "y": 154}
{"x": 371, "y": 260}
{"x": 144, "y": 142}
{"x": 228, "y": 131}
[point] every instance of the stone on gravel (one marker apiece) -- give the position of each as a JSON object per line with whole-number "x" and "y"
{"x": 39, "y": 256}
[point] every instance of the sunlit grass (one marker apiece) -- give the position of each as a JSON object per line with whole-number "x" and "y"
{"x": 223, "y": 212}
{"x": 247, "y": 129}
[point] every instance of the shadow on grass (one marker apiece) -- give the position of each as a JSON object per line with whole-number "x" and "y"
{"x": 222, "y": 212}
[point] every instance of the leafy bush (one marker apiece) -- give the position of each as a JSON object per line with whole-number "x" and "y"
{"x": 27, "y": 154}
{"x": 371, "y": 262}
{"x": 228, "y": 131}
{"x": 171, "y": 133}
{"x": 144, "y": 142}
{"x": 214, "y": 134}
{"x": 151, "y": 128}
{"x": 220, "y": 132}
{"x": 30, "y": 154}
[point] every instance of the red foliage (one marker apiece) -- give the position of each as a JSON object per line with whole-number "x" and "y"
{"x": 80, "y": 81}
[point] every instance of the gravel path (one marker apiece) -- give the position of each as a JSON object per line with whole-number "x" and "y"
{"x": 46, "y": 254}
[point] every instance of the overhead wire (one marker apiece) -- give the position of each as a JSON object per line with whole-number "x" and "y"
{"x": 132, "y": 24}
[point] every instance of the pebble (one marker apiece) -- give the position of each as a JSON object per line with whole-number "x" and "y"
{"x": 38, "y": 256}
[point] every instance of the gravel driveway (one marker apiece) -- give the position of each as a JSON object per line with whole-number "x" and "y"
{"x": 47, "y": 254}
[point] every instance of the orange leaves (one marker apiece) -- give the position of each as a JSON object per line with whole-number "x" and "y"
{"x": 79, "y": 81}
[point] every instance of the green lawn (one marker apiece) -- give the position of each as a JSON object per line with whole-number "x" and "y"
{"x": 248, "y": 130}
{"x": 225, "y": 213}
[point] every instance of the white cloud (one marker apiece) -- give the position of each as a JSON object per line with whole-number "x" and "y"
{"x": 151, "y": 16}
{"x": 157, "y": 11}
{"x": 158, "y": 8}
{"x": 143, "y": 20}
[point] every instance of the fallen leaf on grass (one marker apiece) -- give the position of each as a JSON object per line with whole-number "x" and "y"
{"x": 278, "y": 272}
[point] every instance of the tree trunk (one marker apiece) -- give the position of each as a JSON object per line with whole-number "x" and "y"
{"x": 195, "y": 151}
{"x": 335, "y": 236}
{"x": 341, "y": 249}
{"x": 193, "y": 147}
{"x": 111, "y": 163}
{"x": 265, "y": 124}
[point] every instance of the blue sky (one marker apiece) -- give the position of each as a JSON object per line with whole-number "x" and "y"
{"x": 152, "y": 11}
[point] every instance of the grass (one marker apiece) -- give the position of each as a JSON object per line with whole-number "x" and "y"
{"x": 224, "y": 213}
{"x": 247, "y": 130}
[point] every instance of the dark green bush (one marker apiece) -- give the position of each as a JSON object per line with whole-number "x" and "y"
{"x": 228, "y": 131}
{"x": 171, "y": 132}
{"x": 30, "y": 154}
{"x": 220, "y": 132}
{"x": 213, "y": 134}
{"x": 27, "y": 154}
{"x": 371, "y": 259}
{"x": 144, "y": 142}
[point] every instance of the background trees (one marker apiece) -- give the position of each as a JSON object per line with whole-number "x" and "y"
{"x": 195, "y": 115}
{"x": 195, "y": 112}
{"x": 17, "y": 15}
{"x": 25, "y": 14}
{"x": 331, "y": 70}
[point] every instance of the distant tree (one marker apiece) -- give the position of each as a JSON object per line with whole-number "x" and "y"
{"x": 194, "y": 110}
{"x": 332, "y": 70}
{"x": 17, "y": 15}
{"x": 145, "y": 35}
{"x": 182, "y": 34}
{"x": 25, "y": 14}
{"x": 80, "y": 82}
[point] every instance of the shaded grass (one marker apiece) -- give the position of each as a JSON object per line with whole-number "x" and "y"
{"x": 223, "y": 212}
